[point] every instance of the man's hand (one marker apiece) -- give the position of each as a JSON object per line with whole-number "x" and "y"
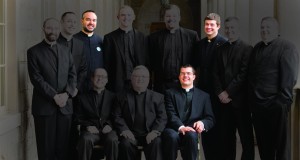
{"x": 151, "y": 136}
{"x": 199, "y": 126}
{"x": 106, "y": 129}
{"x": 75, "y": 92}
{"x": 224, "y": 97}
{"x": 59, "y": 101}
{"x": 92, "y": 129}
{"x": 186, "y": 129}
{"x": 128, "y": 134}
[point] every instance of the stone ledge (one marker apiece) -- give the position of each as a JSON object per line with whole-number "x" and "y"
{"x": 9, "y": 122}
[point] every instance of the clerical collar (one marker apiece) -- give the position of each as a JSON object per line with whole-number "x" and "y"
{"x": 67, "y": 39}
{"x": 188, "y": 89}
{"x": 50, "y": 43}
{"x": 88, "y": 34}
{"x": 138, "y": 92}
{"x": 211, "y": 40}
{"x": 173, "y": 31}
{"x": 126, "y": 31}
{"x": 268, "y": 43}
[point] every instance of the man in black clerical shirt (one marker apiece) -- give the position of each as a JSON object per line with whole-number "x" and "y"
{"x": 94, "y": 118}
{"x": 169, "y": 49}
{"x": 139, "y": 118}
{"x": 124, "y": 48}
{"x": 229, "y": 79}
{"x": 68, "y": 28}
{"x": 53, "y": 76}
{"x": 92, "y": 45}
{"x": 189, "y": 114}
{"x": 273, "y": 72}
{"x": 203, "y": 63}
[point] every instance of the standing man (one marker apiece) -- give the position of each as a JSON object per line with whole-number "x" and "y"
{"x": 170, "y": 48}
{"x": 139, "y": 118}
{"x": 94, "y": 118}
{"x": 124, "y": 49}
{"x": 189, "y": 114}
{"x": 53, "y": 76}
{"x": 203, "y": 62}
{"x": 229, "y": 77}
{"x": 68, "y": 29}
{"x": 273, "y": 70}
{"x": 92, "y": 45}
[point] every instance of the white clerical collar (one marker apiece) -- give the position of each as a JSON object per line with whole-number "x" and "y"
{"x": 188, "y": 89}
{"x": 88, "y": 34}
{"x": 50, "y": 43}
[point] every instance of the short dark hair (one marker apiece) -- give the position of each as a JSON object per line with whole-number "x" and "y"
{"x": 188, "y": 66}
{"x": 87, "y": 12}
{"x": 213, "y": 16}
{"x": 65, "y": 14}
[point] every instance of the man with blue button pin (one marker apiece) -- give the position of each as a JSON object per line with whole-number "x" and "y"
{"x": 92, "y": 45}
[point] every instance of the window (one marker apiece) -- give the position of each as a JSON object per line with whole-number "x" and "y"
{"x": 3, "y": 86}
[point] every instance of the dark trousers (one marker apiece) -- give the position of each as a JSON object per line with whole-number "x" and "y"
{"x": 212, "y": 138}
{"x": 188, "y": 144}
{"x": 87, "y": 141}
{"x": 74, "y": 136}
{"x": 129, "y": 150}
{"x": 272, "y": 133}
{"x": 232, "y": 119}
{"x": 52, "y": 136}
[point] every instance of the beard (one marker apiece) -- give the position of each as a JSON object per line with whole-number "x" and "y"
{"x": 51, "y": 37}
{"x": 87, "y": 30}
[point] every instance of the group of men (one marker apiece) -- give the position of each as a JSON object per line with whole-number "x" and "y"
{"x": 160, "y": 91}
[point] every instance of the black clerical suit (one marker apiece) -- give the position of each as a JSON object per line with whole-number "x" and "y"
{"x": 122, "y": 52}
{"x": 203, "y": 62}
{"x": 94, "y": 109}
{"x": 51, "y": 71}
{"x": 184, "y": 109}
{"x": 152, "y": 117}
{"x": 229, "y": 74}
{"x": 79, "y": 58}
{"x": 168, "y": 52}
{"x": 94, "y": 55}
{"x": 273, "y": 71}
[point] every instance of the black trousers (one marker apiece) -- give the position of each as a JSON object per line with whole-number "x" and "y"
{"x": 129, "y": 151}
{"x": 212, "y": 138}
{"x": 87, "y": 140}
{"x": 188, "y": 144}
{"x": 232, "y": 119}
{"x": 52, "y": 136}
{"x": 272, "y": 132}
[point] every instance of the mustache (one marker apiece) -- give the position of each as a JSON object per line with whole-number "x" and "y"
{"x": 51, "y": 34}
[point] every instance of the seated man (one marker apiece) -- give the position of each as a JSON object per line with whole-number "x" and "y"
{"x": 94, "y": 117}
{"x": 139, "y": 118}
{"x": 189, "y": 113}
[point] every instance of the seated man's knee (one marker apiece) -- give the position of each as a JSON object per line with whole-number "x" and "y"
{"x": 170, "y": 134}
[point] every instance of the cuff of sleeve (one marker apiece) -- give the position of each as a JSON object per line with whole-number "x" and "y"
{"x": 180, "y": 127}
